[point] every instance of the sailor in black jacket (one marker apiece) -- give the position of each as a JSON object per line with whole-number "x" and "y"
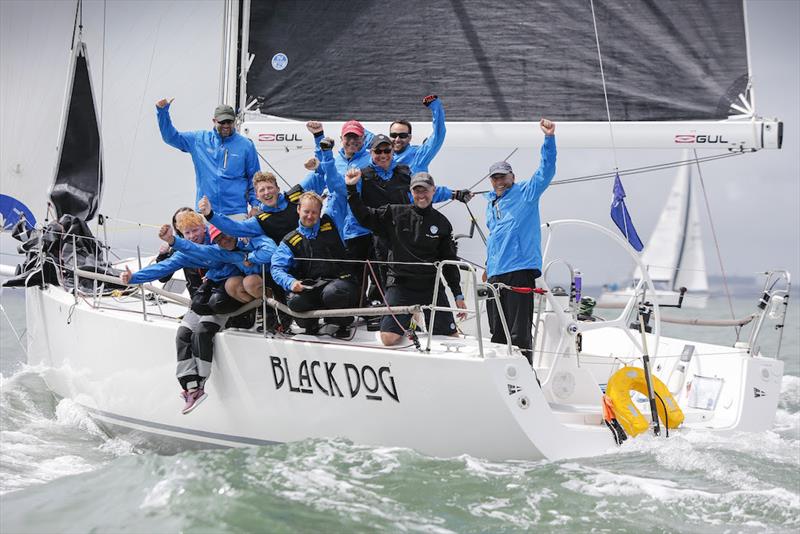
{"x": 416, "y": 234}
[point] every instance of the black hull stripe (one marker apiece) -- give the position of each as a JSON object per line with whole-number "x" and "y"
{"x": 181, "y": 430}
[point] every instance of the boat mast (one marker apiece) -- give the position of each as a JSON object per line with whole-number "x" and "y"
{"x": 230, "y": 37}
{"x": 244, "y": 57}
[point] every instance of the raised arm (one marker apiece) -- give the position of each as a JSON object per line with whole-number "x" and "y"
{"x": 180, "y": 140}
{"x": 428, "y": 149}
{"x": 246, "y": 228}
{"x": 159, "y": 270}
{"x": 252, "y": 166}
{"x": 210, "y": 253}
{"x": 376, "y": 219}
{"x": 541, "y": 179}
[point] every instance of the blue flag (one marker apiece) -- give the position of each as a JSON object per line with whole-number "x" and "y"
{"x": 621, "y": 217}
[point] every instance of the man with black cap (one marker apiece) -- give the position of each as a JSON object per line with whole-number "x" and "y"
{"x": 224, "y": 161}
{"x": 416, "y": 233}
{"x": 384, "y": 181}
{"x": 513, "y": 248}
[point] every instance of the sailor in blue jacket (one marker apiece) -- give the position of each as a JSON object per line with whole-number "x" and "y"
{"x": 193, "y": 367}
{"x": 418, "y": 157}
{"x": 355, "y": 147}
{"x": 224, "y": 161}
{"x": 314, "y": 284}
{"x": 513, "y": 248}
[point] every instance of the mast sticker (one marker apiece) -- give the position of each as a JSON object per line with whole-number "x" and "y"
{"x": 279, "y": 61}
{"x": 317, "y": 377}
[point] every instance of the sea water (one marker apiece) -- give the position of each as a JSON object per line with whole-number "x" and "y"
{"x": 59, "y": 472}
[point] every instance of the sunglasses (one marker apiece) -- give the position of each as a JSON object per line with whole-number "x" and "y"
{"x": 382, "y": 150}
{"x": 401, "y": 135}
{"x": 226, "y": 122}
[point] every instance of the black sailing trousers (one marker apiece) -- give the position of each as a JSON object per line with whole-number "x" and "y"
{"x": 517, "y": 308}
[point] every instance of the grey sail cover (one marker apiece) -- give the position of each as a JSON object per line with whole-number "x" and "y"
{"x": 79, "y": 175}
{"x": 497, "y": 61}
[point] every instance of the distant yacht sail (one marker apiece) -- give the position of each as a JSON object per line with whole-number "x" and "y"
{"x": 674, "y": 252}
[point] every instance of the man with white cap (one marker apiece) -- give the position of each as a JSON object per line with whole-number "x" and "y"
{"x": 513, "y": 248}
{"x": 224, "y": 160}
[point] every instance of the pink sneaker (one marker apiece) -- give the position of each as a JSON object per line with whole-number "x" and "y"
{"x": 193, "y": 398}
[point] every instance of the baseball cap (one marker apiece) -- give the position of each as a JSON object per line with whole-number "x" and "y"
{"x": 379, "y": 139}
{"x": 353, "y": 127}
{"x": 421, "y": 178}
{"x": 224, "y": 112}
{"x": 213, "y": 232}
{"x": 501, "y": 167}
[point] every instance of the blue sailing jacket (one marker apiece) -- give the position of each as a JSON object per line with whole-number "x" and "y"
{"x": 351, "y": 227}
{"x": 313, "y": 181}
{"x": 418, "y": 157}
{"x": 514, "y": 241}
{"x": 222, "y": 263}
{"x": 335, "y": 207}
{"x": 224, "y": 168}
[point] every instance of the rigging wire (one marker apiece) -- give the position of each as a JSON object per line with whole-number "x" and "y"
{"x": 264, "y": 159}
{"x": 605, "y": 91}
{"x": 125, "y": 178}
{"x": 716, "y": 244}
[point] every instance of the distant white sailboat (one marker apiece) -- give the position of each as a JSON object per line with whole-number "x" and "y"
{"x": 673, "y": 255}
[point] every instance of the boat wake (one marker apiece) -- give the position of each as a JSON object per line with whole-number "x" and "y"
{"x": 45, "y": 437}
{"x": 56, "y": 459}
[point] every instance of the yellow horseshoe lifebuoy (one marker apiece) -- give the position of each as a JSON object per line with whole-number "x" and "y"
{"x": 629, "y": 416}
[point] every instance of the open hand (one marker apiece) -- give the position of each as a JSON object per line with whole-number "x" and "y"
{"x": 204, "y": 206}
{"x": 547, "y": 126}
{"x": 352, "y": 176}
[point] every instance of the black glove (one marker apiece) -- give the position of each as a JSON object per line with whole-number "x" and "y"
{"x": 428, "y": 99}
{"x": 462, "y": 195}
{"x": 326, "y": 144}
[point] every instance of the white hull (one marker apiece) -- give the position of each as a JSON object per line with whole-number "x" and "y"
{"x": 121, "y": 369}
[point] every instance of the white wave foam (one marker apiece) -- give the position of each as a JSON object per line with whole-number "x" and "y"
{"x": 790, "y": 394}
{"x": 70, "y": 413}
{"x": 739, "y": 504}
{"x": 312, "y": 478}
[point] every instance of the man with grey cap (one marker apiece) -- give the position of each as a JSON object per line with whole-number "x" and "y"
{"x": 416, "y": 233}
{"x": 513, "y": 248}
{"x": 224, "y": 161}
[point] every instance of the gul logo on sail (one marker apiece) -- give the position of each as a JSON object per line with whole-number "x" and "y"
{"x": 331, "y": 379}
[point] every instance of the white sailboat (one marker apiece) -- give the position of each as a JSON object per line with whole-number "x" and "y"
{"x": 674, "y": 255}
{"x": 113, "y": 355}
